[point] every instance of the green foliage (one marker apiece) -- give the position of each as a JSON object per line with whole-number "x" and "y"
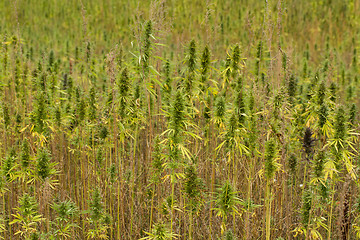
{"x": 43, "y": 164}
{"x": 160, "y": 232}
{"x": 321, "y": 93}
{"x": 292, "y": 163}
{"x": 155, "y": 104}
{"x": 177, "y": 116}
{"x": 229, "y": 235}
{"x": 308, "y": 143}
{"x": 7, "y": 167}
{"x": 167, "y": 86}
{"x": 96, "y": 206}
{"x": 319, "y": 164}
{"x": 340, "y": 125}
{"x": 352, "y": 114}
{"x": 220, "y": 108}
{"x": 305, "y": 211}
{"x": 226, "y": 202}
{"x": 235, "y": 60}
{"x": 292, "y": 88}
{"x": 192, "y": 57}
{"x": 333, "y": 92}
{"x": 258, "y": 58}
{"x": 92, "y": 104}
{"x": 98, "y": 219}
{"x": 27, "y": 217}
{"x": 323, "y": 115}
{"x": 191, "y": 63}
{"x": 58, "y": 117}
{"x": 66, "y": 212}
{"x": 240, "y": 104}
{"x": 193, "y": 187}
{"x": 25, "y": 153}
{"x": 230, "y": 133}
{"x": 157, "y": 162}
{"x": 2, "y": 227}
{"x": 6, "y": 116}
{"x": 147, "y": 46}
{"x": 271, "y": 164}
{"x": 205, "y": 62}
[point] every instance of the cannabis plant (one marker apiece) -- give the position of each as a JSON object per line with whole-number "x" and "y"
{"x": 44, "y": 167}
{"x": 27, "y": 217}
{"x": 64, "y": 222}
{"x": 159, "y": 232}
{"x": 226, "y": 203}
{"x": 98, "y": 220}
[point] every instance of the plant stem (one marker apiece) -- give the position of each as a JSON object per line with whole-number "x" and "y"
{"x": 268, "y": 210}
{"x": 331, "y": 210}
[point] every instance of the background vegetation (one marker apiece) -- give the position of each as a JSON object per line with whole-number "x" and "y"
{"x": 183, "y": 119}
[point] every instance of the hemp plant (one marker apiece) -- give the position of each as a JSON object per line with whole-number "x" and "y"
{"x": 64, "y": 222}
{"x": 226, "y": 203}
{"x": 204, "y": 69}
{"x": 45, "y": 169}
{"x": 271, "y": 166}
{"x": 27, "y": 217}
{"x": 160, "y": 232}
{"x": 193, "y": 187}
{"x": 191, "y": 64}
{"x": 98, "y": 220}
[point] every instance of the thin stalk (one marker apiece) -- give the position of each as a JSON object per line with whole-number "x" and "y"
{"x": 82, "y": 176}
{"x": 212, "y": 191}
{"x": 234, "y": 180}
{"x": 133, "y": 182}
{"x": 118, "y": 211}
{"x": 172, "y": 201}
{"x": 152, "y": 207}
{"x": 120, "y": 197}
{"x": 190, "y": 226}
{"x": 249, "y": 193}
{"x": 331, "y": 211}
{"x": 268, "y": 210}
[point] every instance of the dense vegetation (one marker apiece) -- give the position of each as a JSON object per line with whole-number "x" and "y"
{"x": 164, "y": 119}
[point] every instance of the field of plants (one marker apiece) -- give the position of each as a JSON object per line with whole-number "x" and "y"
{"x": 179, "y": 119}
